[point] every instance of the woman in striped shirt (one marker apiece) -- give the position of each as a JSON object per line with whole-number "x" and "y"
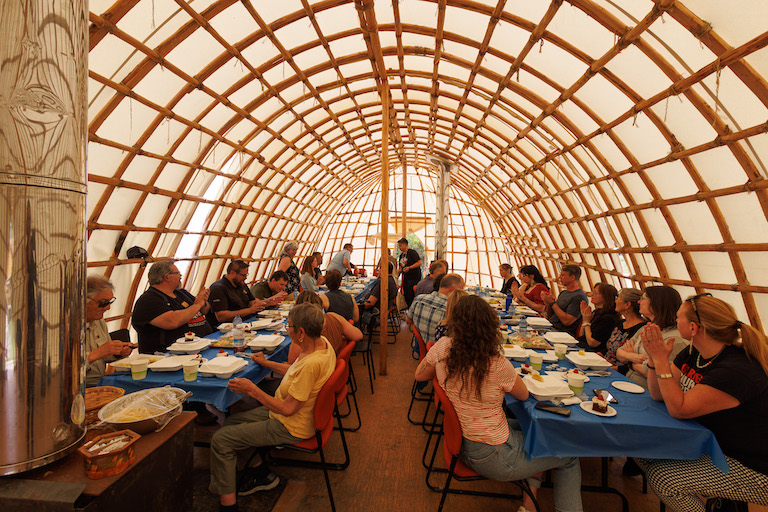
{"x": 475, "y": 375}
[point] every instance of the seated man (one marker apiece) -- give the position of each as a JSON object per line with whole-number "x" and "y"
{"x": 165, "y": 312}
{"x": 369, "y": 305}
{"x": 271, "y": 291}
{"x": 99, "y": 348}
{"x": 230, "y": 297}
{"x": 565, "y": 312}
{"x": 428, "y": 310}
{"x": 427, "y": 284}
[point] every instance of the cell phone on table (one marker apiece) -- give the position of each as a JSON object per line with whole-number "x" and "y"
{"x": 562, "y": 411}
{"x": 602, "y": 393}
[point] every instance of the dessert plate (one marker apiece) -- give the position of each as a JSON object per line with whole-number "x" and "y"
{"x": 587, "y": 406}
{"x": 629, "y": 387}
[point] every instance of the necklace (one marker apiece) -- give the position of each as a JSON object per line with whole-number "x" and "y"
{"x": 701, "y": 366}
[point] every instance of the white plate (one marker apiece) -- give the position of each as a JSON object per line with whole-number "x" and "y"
{"x": 170, "y": 363}
{"x": 184, "y": 340}
{"x": 190, "y": 348}
{"x": 261, "y": 323}
{"x": 222, "y": 367}
{"x": 124, "y": 365}
{"x": 564, "y": 375}
{"x": 590, "y": 360}
{"x": 587, "y": 406}
{"x": 629, "y": 387}
{"x": 560, "y": 337}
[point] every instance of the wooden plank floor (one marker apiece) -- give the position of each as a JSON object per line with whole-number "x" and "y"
{"x": 386, "y": 474}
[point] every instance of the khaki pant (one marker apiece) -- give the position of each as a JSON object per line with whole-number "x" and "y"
{"x": 234, "y": 442}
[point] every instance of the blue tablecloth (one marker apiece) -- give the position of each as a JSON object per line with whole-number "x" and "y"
{"x": 642, "y": 428}
{"x": 212, "y": 390}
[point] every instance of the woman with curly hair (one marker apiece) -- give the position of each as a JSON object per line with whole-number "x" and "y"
{"x": 453, "y": 297}
{"x": 475, "y": 375}
{"x": 598, "y": 325}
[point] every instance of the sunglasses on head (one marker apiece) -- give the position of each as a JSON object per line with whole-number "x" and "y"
{"x": 104, "y": 303}
{"x": 693, "y": 300}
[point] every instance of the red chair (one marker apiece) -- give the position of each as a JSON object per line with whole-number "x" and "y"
{"x": 348, "y": 390}
{"x": 324, "y": 412}
{"x": 452, "y": 439}
{"x": 418, "y": 394}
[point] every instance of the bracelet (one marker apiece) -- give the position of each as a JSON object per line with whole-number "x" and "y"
{"x": 664, "y": 375}
{"x": 650, "y": 367}
{"x": 586, "y": 324}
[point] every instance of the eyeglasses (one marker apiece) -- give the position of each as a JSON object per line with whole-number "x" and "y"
{"x": 243, "y": 274}
{"x": 104, "y": 303}
{"x": 692, "y": 300}
{"x": 172, "y": 273}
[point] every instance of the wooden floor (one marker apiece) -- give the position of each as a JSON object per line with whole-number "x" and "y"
{"x": 386, "y": 474}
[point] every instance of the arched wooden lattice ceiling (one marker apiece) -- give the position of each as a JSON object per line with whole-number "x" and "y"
{"x": 628, "y": 136}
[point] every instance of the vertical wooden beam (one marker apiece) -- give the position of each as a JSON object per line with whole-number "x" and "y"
{"x": 384, "y": 274}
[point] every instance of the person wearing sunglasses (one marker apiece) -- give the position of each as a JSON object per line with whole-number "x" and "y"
{"x": 230, "y": 296}
{"x": 721, "y": 382}
{"x": 166, "y": 311}
{"x": 100, "y": 349}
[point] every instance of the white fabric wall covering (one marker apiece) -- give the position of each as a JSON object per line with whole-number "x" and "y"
{"x": 627, "y": 168}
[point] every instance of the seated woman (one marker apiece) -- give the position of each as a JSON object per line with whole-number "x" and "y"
{"x": 442, "y": 327}
{"x": 286, "y": 264}
{"x": 659, "y": 304}
{"x": 475, "y": 375}
{"x": 339, "y": 301}
{"x": 529, "y": 293}
{"x": 308, "y": 279}
{"x": 722, "y": 382}
{"x": 628, "y": 306}
{"x": 286, "y": 417}
{"x": 597, "y": 325}
{"x": 335, "y": 329}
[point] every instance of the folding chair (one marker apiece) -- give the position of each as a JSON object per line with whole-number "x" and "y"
{"x": 417, "y": 391}
{"x": 345, "y": 354}
{"x": 324, "y": 412}
{"x": 452, "y": 438}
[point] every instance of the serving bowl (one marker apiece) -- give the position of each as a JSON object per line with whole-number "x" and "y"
{"x": 161, "y": 404}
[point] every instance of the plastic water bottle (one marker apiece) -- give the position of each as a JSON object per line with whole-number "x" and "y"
{"x": 508, "y": 303}
{"x": 295, "y": 296}
{"x": 238, "y": 336}
{"x": 523, "y": 327}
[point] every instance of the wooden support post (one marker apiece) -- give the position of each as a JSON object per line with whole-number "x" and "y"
{"x": 384, "y": 274}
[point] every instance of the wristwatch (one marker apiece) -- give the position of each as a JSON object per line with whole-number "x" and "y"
{"x": 664, "y": 375}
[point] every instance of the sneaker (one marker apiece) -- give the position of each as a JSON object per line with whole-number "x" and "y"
{"x": 255, "y": 483}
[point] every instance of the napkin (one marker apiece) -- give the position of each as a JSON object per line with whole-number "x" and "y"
{"x": 571, "y": 400}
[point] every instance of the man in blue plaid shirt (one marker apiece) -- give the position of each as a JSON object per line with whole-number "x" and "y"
{"x": 428, "y": 310}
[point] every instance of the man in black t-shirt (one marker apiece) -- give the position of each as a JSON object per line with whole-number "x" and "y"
{"x": 230, "y": 297}
{"x": 165, "y": 311}
{"x": 410, "y": 267}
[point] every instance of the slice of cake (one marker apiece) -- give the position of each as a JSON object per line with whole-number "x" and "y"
{"x": 189, "y": 336}
{"x": 599, "y": 405}
{"x": 526, "y": 369}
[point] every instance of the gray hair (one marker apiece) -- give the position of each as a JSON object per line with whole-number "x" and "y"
{"x": 309, "y": 317}
{"x": 159, "y": 270}
{"x": 288, "y": 246}
{"x": 95, "y": 283}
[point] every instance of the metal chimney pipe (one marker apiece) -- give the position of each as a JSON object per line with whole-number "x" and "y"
{"x": 43, "y": 135}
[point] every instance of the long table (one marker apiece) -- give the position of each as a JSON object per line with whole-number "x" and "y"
{"x": 212, "y": 390}
{"x": 642, "y": 427}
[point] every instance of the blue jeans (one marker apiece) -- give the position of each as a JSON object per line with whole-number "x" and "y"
{"x": 508, "y": 462}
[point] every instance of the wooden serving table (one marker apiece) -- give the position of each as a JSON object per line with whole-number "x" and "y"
{"x": 159, "y": 479}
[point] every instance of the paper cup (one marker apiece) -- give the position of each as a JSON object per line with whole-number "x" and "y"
{"x": 536, "y": 360}
{"x": 190, "y": 370}
{"x": 576, "y": 383}
{"x": 139, "y": 370}
{"x": 560, "y": 350}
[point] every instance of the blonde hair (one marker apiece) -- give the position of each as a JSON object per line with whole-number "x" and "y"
{"x": 453, "y": 298}
{"x": 718, "y": 319}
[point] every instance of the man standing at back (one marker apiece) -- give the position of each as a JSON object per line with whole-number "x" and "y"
{"x": 341, "y": 261}
{"x": 410, "y": 267}
{"x": 564, "y": 313}
{"x": 230, "y": 297}
{"x": 165, "y": 312}
{"x": 428, "y": 310}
